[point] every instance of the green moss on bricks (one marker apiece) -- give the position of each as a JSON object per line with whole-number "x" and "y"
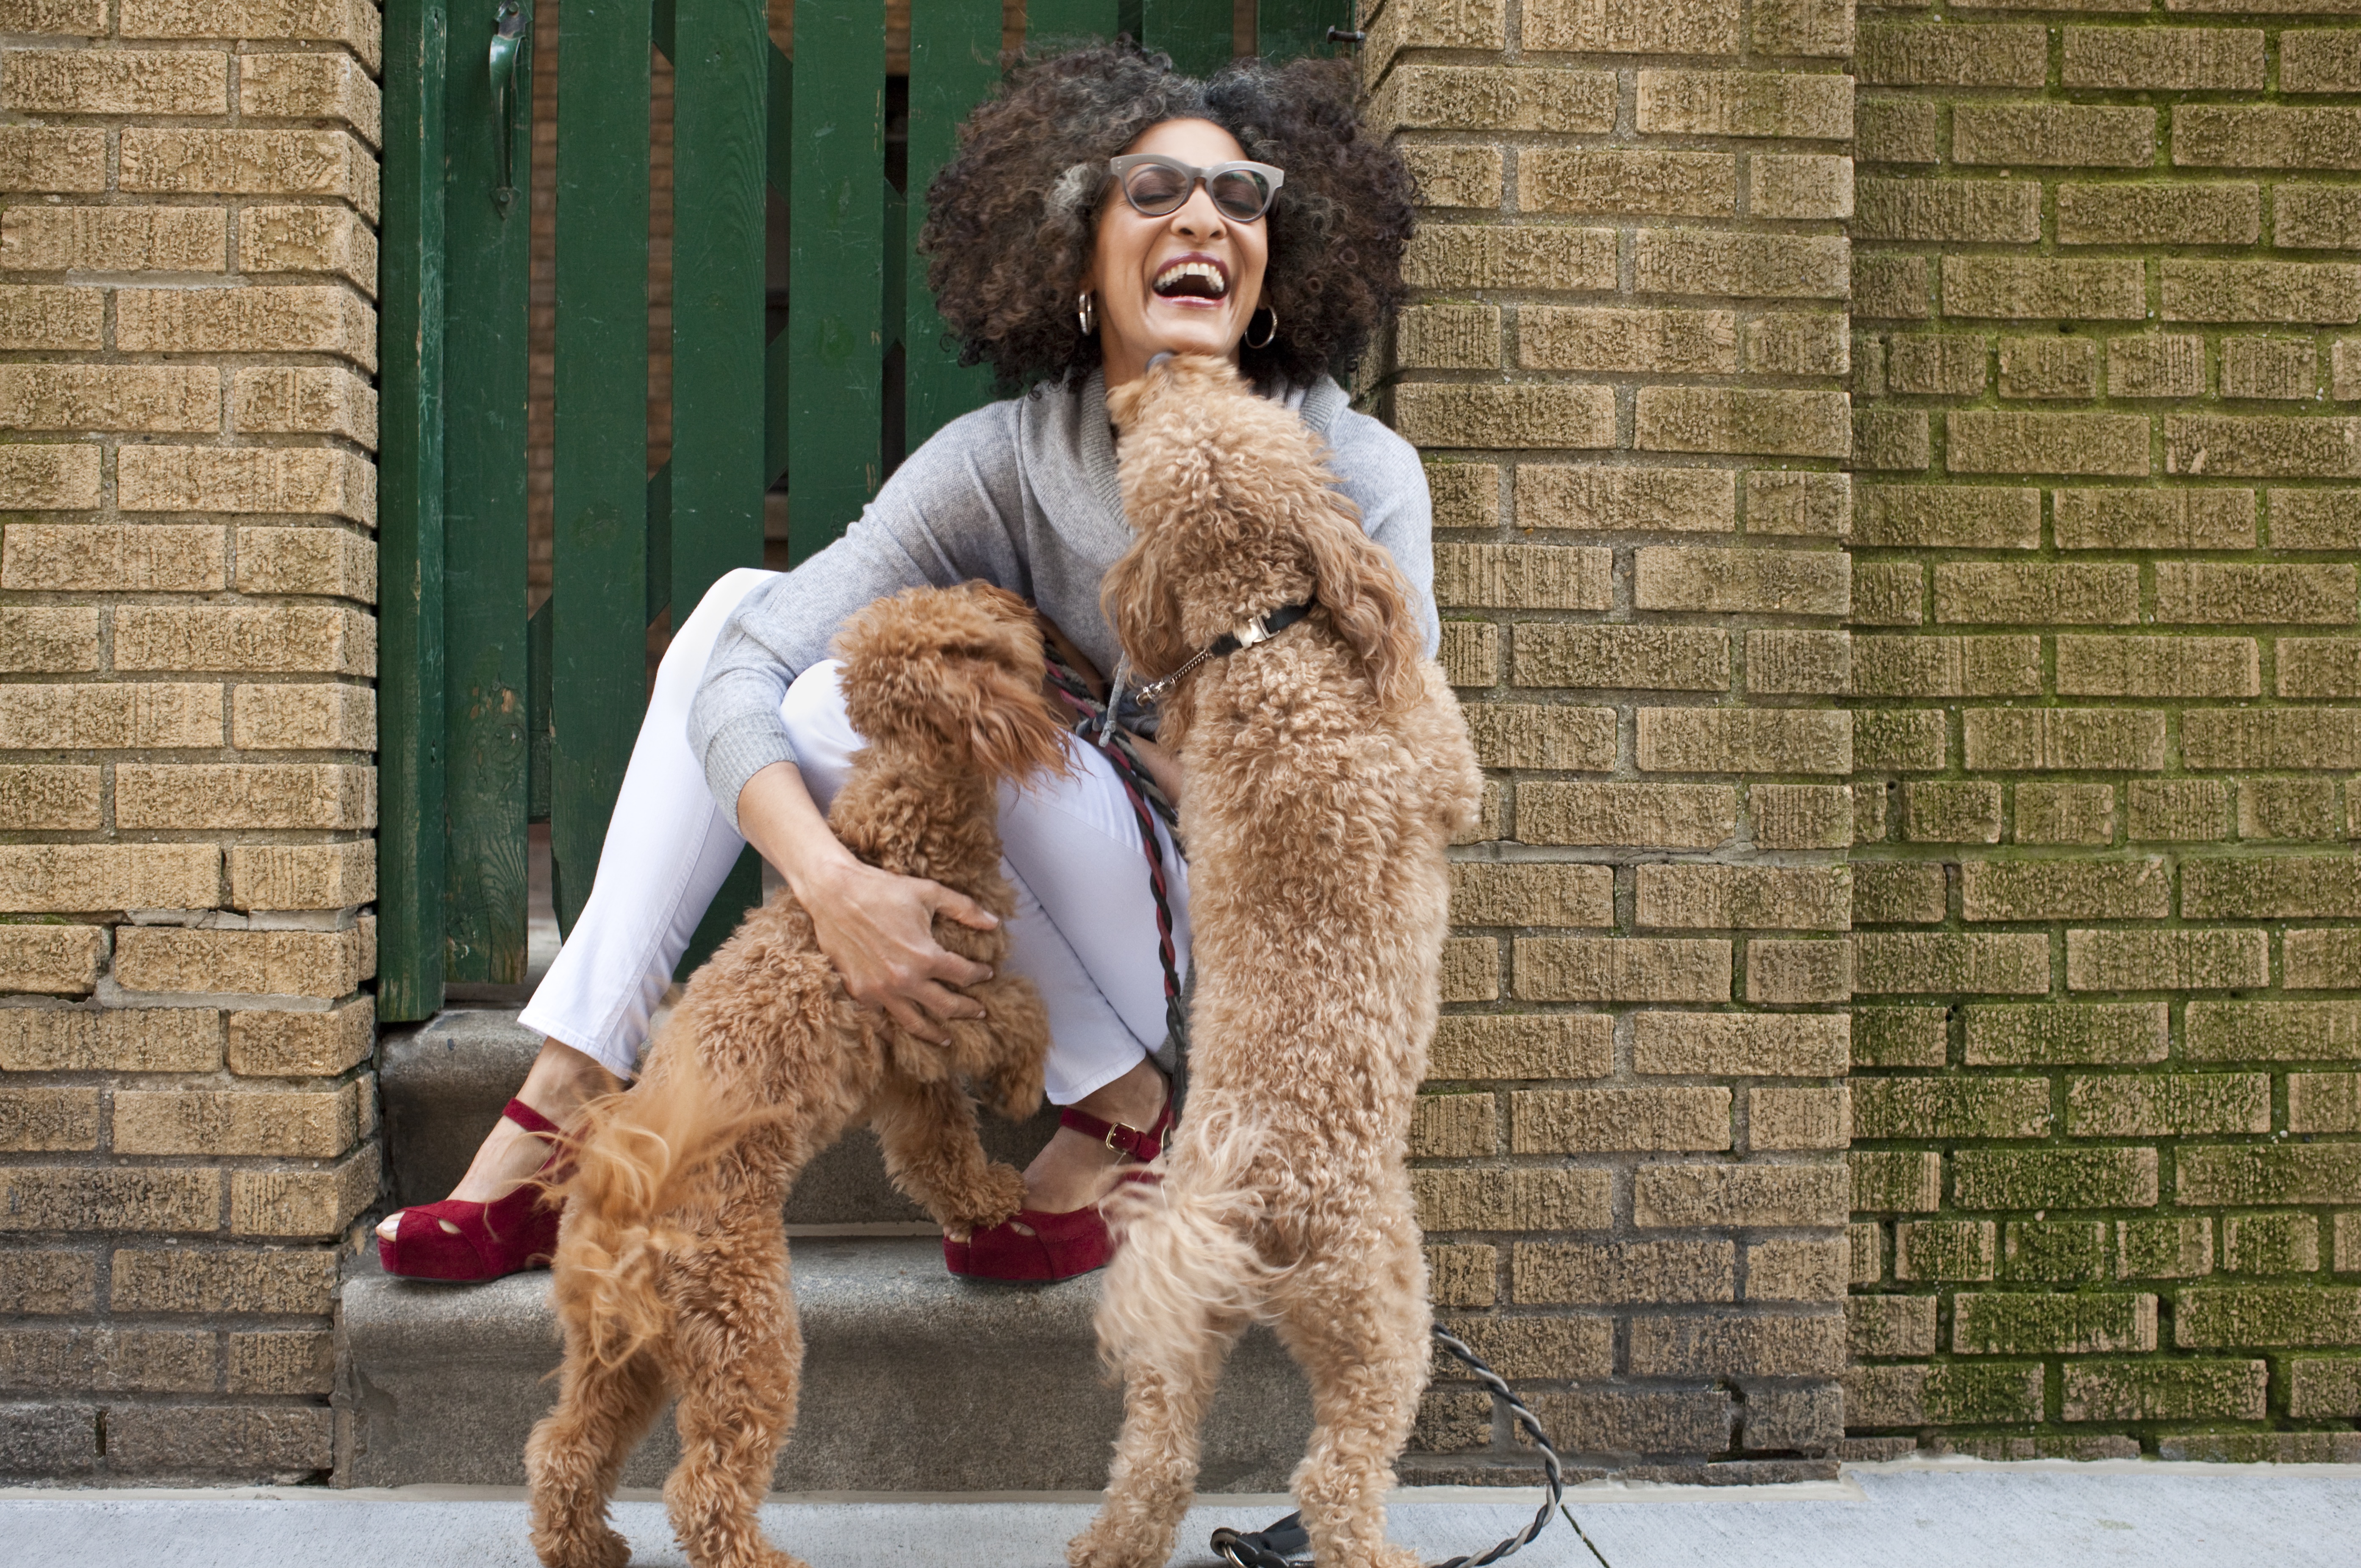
{"x": 2324, "y": 1387}
{"x": 2055, "y": 1252}
{"x": 2211, "y": 1176}
{"x": 2273, "y": 1031}
{"x": 2010, "y": 1324}
{"x": 2055, "y": 1178}
{"x": 2271, "y": 1244}
{"x": 2169, "y": 1390}
{"x": 1900, "y": 1037}
{"x": 1898, "y": 1181}
{"x": 1950, "y": 1108}
{"x": 2155, "y": 1104}
{"x": 1944, "y": 1249}
{"x": 2164, "y": 1249}
{"x": 2262, "y": 1316}
{"x": 2111, "y": 1034}
{"x": 2262, "y": 1447}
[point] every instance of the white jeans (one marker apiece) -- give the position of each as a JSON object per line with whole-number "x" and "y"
{"x": 1084, "y": 930}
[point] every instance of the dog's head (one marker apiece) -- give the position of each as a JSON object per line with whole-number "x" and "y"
{"x": 952, "y": 673}
{"x": 1235, "y": 514}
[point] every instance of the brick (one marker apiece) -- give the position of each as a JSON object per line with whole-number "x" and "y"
{"x": 2269, "y": 367}
{"x": 1947, "y": 517}
{"x": 1460, "y": 24}
{"x": 1953, "y": 55}
{"x": 1718, "y": 418}
{"x": 2287, "y": 809}
{"x": 2049, "y": 368}
{"x": 1684, "y": 501}
{"x": 113, "y": 239}
{"x": 2165, "y": 960}
{"x": 248, "y": 479}
{"x": 296, "y": 795}
{"x": 2055, "y": 1178}
{"x": 1822, "y": 28}
{"x": 2318, "y": 62}
{"x": 1520, "y": 576}
{"x": 1887, "y": 593}
{"x": 110, "y": 396}
{"x": 1773, "y": 582}
{"x": 2261, "y": 292}
{"x": 41, "y": 641}
{"x": 85, "y": 19}
{"x": 1937, "y": 364}
{"x": 1447, "y": 336}
{"x": 1666, "y": 341}
{"x": 1795, "y": 1271}
{"x": 1798, "y": 1119}
{"x": 1946, "y": 666}
{"x": 1801, "y": 343}
{"x": 251, "y": 163}
{"x": 1949, "y": 813}
{"x": 1902, "y": 894}
{"x": 302, "y": 876}
{"x": 273, "y": 1280}
{"x": 43, "y": 317}
{"x": 1798, "y": 185}
{"x": 154, "y": 558}
{"x": 2315, "y": 519}
{"x": 2323, "y": 1388}
{"x": 2165, "y": 1390}
{"x": 2263, "y": 445}
{"x": 1657, "y": 658}
{"x": 2262, "y": 1316}
{"x": 1946, "y": 1250}
{"x": 49, "y": 478}
{"x": 1895, "y": 1181}
{"x": 1628, "y": 26}
{"x": 269, "y": 1044}
{"x": 2167, "y": 1104}
{"x": 1518, "y": 416}
{"x": 256, "y": 319}
{"x": 1604, "y": 968}
{"x": 1471, "y": 970}
{"x": 43, "y": 1282}
{"x": 1571, "y": 1121}
{"x": 78, "y": 1198}
{"x": 303, "y": 400}
{"x": 1716, "y": 262}
{"x": 1615, "y": 1273}
{"x": 289, "y": 963}
{"x": 1799, "y": 816}
{"x": 2323, "y": 1102}
{"x": 1526, "y": 895}
{"x": 1445, "y": 1127}
{"x": 1955, "y": 1393}
{"x": 116, "y": 1040}
{"x": 2212, "y": 213}
{"x": 1893, "y": 962}
{"x": 1892, "y": 288}
{"x": 2189, "y": 59}
{"x": 2277, "y": 1031}
{"x": 289, "y": 638}
{"x": 1665, "y": 815}
{"x": 54, "y": 877}
{"x": 2004, "y": 442}
{"x": 1456, "y": 176}
{"x": 1450, "y": 1422}
{"x": 1638, "y": 1422}
{"x": 1803, "y": 663}
{"x": 2255, "y": 1173}
{"x": 1614, "y": 179}
{"x": 32, "y": 158}
{"x": 1513, "y": 1200}
{"x": 2270, "y": 1243}
{"x": 1527, "y": 255}
{"x": 306, "y": 561}
{"x": 2221, "y": 135}
{"x": 114, "y": 82}
{"x": 1865, "y": 1254}
{"x": 2169, "y": 365}
{"x": 2164, "y": 1249}
{"x": 1462, "y": 1276}
{"x": 2065, "y": 814}
{"x": 1894, "y": 130}
{"x": 2030, "y": 289}
{"x": 1554, "y": 1348}
{"x": 46, "y": 795}
{"x": 1780, "y": 973}
{"x": 1523, "y": 735}
{"x": 2060, "y": 1252}
{"x": 347, "y": 22}
{"x": 1465, "y": 495}
{"x": 1982, "y": 211}
{"x": 58, "y": 960}
{"x": 316, "y": 1203}
{"x": 262, "y": 1442}
{"x": 174, "y": 1121}
{"x": 2213, "y": 592}
{"x": 2317, "y": 667}
{"x": 1897, "y": 738}
{"x": 43, "y": 1121}
{"x": 334, "y": 241}
{"x": 1890, "y": 1326}
{"x": 1683, "y": 1345}
{"x": 155, "y": 1361}
{"x": 2053, "y": 136}
{"x": 2267, "y": 887}
{"x": 1746, "y": 105}
{"x": 2092, "y": 738}
{"x": 2099, "y": 519}
{"x": 309, "y": 87}
{"x": 1743, "y": 740}
{"x": 2186, "y": 809}
{"x": 2125, "y": 1034}
{"x": 1951, "y": 1108}
{"x": 2159, "y": 667}
{"x": 1672, "y": 1196}
{"x": 302, "y": 1361}
{"x": 2303, "y": 218}
{"x": 110, "y": 715}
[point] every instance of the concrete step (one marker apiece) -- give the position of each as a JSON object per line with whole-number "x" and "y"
{"x": 443, "y": 1082}
{"x": 912, "y": 1381}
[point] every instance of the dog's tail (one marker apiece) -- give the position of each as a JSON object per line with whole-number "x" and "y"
{"x": 1187, "y": 1257}
{"x": 634, "y": 1156}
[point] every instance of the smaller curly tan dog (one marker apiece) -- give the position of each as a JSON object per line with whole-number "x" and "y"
{"x": 1327, "y": 768}
{"x": 671, "y": 1272}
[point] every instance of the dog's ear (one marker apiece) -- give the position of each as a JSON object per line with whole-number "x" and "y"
{"x": 999, "y": 716}
{"x": 1367, "y": 601}
{"x": 1141, "y": 599}
{"x": 954, "y": 673}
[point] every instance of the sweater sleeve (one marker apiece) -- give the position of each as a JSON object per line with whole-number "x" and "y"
{"x": 946, "y": 515}
{"x": 1382, "y": 475}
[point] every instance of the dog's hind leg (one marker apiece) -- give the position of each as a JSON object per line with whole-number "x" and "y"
{"x": 927, "y": 1131}
{"x": 1156, "y": 1459}
{"x": 736, "y": 1354}
{"x": 577, "y": 1451}
{"x": 1358, "y": 1325}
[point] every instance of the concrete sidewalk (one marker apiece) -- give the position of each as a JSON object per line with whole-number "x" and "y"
{"x": 1958, "y": 1514}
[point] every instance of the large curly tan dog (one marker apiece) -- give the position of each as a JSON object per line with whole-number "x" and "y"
{"x": 671, "y": 1272}
{"x": 1326, "y": 768}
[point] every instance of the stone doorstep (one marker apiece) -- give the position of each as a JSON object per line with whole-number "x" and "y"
{"x": 443, "y": 1084}
{"x": 912, "y": 1381}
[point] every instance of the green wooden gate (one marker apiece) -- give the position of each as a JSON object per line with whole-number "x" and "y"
{"x": 489, "y": 721}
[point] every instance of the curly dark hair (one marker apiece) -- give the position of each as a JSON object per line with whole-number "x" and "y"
{"x": 1012, "y": 219}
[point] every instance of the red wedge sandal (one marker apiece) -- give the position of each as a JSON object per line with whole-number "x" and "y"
{"x": 1051, "y": 1246}
{"x": 504, "y": 1237}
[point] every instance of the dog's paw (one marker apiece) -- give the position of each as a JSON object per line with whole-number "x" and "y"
{"x": 1098, "y": 1547}
{"x": 596, "y": 1548}
{"x": 996, "y": 1197}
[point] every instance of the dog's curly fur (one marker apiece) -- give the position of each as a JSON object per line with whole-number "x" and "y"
{"x": 671, "y": 1272}
{"x": 1326, "y": 770}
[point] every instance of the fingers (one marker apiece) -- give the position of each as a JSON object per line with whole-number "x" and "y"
{"x": 946, "y": 1004}
{"x": 962, "y": 908}
{"x": 903, "y": 1013}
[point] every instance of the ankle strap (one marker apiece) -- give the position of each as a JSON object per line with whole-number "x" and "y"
{"x": 1139, "y": 1146}
{"x": 530, "y": 1120}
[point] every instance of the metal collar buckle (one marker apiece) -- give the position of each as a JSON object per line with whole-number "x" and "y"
{"x": 1260, "y": 629}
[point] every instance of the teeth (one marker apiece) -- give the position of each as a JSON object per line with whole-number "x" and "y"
{"x": 1205, "y": 270}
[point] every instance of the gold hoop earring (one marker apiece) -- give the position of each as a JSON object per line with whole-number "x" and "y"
{"x": 1086, "y": 313}
{"x": 1267, "y": 336}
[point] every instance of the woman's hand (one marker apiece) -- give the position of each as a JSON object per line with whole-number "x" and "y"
{"x": 876, "y": 928}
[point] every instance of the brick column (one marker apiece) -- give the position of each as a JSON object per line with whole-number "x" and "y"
{"x": 186, "y": 796}
{"x": 2106, "y": 533}
{"x": 1626, "y": 365}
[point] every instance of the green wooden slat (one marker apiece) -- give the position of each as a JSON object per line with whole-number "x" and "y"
{"x": 779, "y": 163}
{"x": 1195, "y": 33}
{"x": 662, "y": 23}
{"x": 837, "y": 260}
{"x": 537, "y": 684}
{"x": 954, "y": 60}
{"x": 1050, "y": 22}
{"x": 410, "y": 843}
{"x": 484, "y": 510}
{"x": 660, "y": 540}
{"x": 1286, "y": 28}
{"x": 719, "y": 136}
{"x": 598, "y": 656}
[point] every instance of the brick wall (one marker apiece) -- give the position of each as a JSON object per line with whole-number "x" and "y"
{"x": 1626, "y": 365}
{"x": 2103, "y": 1091}
{"x": 187, "y": 262}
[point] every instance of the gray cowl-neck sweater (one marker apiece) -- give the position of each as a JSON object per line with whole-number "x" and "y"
{"x": 1022, "y": 494}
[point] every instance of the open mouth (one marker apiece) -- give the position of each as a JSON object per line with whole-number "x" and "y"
{"x": 1192, "y": 278}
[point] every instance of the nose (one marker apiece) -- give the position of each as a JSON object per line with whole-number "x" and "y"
{"x": 1198, "y": 215}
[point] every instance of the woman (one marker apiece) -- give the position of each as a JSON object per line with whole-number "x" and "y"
{"x": 1102, "y": 210}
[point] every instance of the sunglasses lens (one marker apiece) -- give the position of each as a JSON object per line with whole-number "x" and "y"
{"x": 1155, "y": 190}
{"x": 1240, "y": 194}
